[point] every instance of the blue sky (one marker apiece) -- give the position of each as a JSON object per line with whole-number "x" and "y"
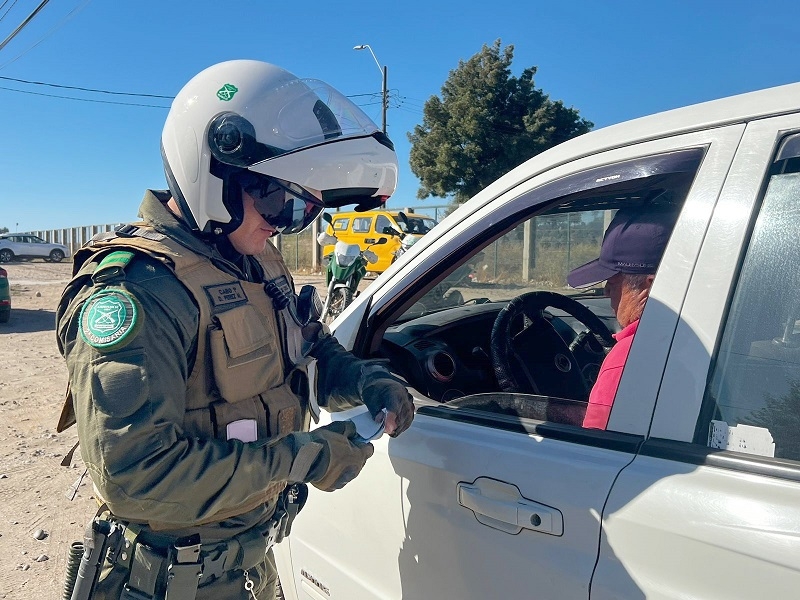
{"x": 67, "y": 163}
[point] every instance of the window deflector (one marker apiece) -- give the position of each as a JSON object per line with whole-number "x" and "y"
{"x": 790, "y": 148}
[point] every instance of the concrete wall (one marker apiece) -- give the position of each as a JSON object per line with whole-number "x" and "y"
{"x": 73, "y": 237}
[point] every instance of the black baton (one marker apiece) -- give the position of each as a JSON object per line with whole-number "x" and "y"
{"x": 94, "y": 552}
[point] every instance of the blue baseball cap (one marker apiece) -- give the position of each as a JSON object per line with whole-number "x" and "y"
{"x": 633, "y": 243}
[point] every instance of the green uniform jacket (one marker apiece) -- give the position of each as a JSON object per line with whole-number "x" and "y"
{"x": 130, "y": 401}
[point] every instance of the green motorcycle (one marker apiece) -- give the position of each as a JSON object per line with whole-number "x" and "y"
{"x": 346, "y": 267}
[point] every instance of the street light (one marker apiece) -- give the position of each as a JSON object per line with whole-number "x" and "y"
{"x": 385, "y": 92}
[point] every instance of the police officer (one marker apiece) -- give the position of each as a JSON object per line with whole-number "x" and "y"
{"x": 194, "y": 369}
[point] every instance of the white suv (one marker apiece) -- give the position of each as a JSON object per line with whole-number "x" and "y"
{"x": 14, "y": 246}
{"x": 496, "y": 490}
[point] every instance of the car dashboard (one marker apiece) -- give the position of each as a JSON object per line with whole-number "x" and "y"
{"x": 446, "y": 354}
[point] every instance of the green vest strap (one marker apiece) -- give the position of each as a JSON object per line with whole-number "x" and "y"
{"x": 112, "y": 265}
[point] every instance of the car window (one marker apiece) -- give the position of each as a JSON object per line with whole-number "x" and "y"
{"x": 538, "y": 251}
{"x": 418, "y": 225}
{"x": 341, "y": 224}
{"x": 446, "y": 341}
{"x": 381, "y": 223}
{"x": 752, "y": 402}
{"x": 362, "y": 224}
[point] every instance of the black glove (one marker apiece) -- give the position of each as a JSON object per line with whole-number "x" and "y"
{"x": 381, "y": 390}
{"x": 341, "y": 458}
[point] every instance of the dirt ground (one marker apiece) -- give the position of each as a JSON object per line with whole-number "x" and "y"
{"x": 38, "y": 522}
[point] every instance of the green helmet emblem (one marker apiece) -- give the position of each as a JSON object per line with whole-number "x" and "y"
{"x": 110, "y": 319}
{"x": 226, "y": 92}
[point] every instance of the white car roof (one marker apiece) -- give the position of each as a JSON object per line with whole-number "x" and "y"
{"x": 714, "y": 113}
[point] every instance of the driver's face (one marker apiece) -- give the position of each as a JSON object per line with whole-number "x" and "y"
{"x": 627, "y": 301}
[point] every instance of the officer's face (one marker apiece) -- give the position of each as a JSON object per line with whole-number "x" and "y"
{"x": 251, "y": 236}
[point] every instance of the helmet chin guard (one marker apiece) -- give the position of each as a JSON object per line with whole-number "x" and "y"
{"x": 247, "y": 115}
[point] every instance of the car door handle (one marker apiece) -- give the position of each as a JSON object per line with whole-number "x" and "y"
{"x": 370, "y": 240}
{"x": 500, "y": 505}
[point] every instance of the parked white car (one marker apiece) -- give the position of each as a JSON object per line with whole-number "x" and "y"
{"x": 496, "y": 490}
{"x": 15, "y": 246}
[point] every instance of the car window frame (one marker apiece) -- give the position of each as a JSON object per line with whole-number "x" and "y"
{"x": 498, "y": 216}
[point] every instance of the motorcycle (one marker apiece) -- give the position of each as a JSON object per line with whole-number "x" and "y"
{"x": 347, "y": 266}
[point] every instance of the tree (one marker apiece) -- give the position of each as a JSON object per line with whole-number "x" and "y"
{"x": 486, "y": 123}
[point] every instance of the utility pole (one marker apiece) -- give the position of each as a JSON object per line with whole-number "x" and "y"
{"x": 384, "y": 87}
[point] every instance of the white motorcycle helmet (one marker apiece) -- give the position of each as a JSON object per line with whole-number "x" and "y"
{"x": 238, "y": 121}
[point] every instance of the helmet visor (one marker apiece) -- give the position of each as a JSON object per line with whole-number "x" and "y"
{"x": 316, "y": 112}
{"x": 297, "y": 115}
{"x": 286, "y": 206}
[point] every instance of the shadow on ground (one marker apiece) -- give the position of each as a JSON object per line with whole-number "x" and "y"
{"x": 29, "y": 321}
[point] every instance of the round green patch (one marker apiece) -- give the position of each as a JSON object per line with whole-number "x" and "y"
{"x": 110, "y": 319}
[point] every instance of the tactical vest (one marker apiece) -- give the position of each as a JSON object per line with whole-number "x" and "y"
{"x": 240, "y": 385}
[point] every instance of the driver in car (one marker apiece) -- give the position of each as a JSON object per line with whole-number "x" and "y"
{"x": 632, "y": 248}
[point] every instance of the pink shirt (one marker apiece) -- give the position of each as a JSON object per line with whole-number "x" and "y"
{"x": 601, "y": 398}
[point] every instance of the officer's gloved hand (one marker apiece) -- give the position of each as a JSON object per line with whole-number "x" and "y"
{"x": 341, "y": 458}
{"x": 382, "y": 390}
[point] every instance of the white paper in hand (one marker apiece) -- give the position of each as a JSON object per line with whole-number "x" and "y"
{"x": 367, "y": 428}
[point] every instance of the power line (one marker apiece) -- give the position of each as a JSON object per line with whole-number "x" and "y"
{"x": 3, "y": 16}
{"x": 53, "y": 29}
{"x": 22, "y": 25}
{"x": 83, "y": 99}
{"x": 84, "y": 89}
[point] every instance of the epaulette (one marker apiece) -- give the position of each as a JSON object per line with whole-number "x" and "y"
{"x": 130, "y": 230}
{"x": 113, "y": 265}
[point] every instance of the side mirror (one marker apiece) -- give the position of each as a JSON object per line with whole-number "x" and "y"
{"x": 402, "y": 216}
{"x": 327, "y": 218}
{"x": 380, "y": 241}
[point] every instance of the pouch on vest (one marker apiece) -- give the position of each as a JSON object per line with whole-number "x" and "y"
{"x": 244, "y": 354}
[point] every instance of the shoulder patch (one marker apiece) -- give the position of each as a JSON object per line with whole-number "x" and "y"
{"x": 110, "y": 319}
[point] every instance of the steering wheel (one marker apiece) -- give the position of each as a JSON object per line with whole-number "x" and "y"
{"x": 531, "y": 356}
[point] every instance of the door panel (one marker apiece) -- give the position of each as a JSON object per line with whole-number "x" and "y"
{"x": 413, "y": 532}
{"x": 676, "y": 530}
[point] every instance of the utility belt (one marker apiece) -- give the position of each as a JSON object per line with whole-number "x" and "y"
{"x": 160, "y": 567}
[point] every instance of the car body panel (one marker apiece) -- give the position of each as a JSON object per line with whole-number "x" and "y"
{"x": 643, "y": 509}
{"x": 675, "y": 530}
